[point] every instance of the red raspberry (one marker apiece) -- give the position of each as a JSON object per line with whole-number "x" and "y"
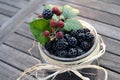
{"x": 53, "y": 23}
{"x": 40, "y": 16}
{"x": 59, "y": 35}
{"x": 46, "y": 33}
{"x": 60, "y": 24}
{"x": 59, "y": 13}
{"x": 55, "y": 9}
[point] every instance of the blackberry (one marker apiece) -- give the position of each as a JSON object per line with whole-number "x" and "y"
{"x": 79, "y": 51}
{"x": 47, "y": 14}
{"x": 89, "y": 37}
{"x": 80, "y": 31}
{"x": 48, "y": 45}
{"x": 74, "y": 33}
{"x": 66, "y": 36}
{"x": 72, "y": 41}
{"x": 62, "y": 53}
{"x": 81, "y": 37}
{"x": 86, "y": 30}
{"x": 54, "y": 45}
{"x": 85, "y": 45}
{"x": 72, "y": 52}
{"x": 61, "y": 44}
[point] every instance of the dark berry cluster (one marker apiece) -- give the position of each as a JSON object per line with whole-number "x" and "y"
{"x": 73, "y": 44}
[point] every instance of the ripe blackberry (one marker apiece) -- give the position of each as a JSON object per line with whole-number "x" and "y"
{"x": 72, "y": 41}
{"x": 61, "y": 44}
{"x": 72, "y": 52}
{"x": 85, "y": 45}
{"x": 74, "y": 33}
{"x": 79, "y": 51}
{"x": 66, "y": 36}
{"x": 86, "y": 30}
{"x": 89, "y": 37}
{"x": 80, "y": 31}
{"x": 81, "y": 37}
{"x": 62, "y": 53}
{"x": 48, "y": 45}
{"x": 47, "y": 14}
{"x": 54, "y": 45}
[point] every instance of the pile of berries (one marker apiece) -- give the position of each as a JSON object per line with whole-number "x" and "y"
{"x": 55, "y": 25}
{"x": 67, "y": 44}
{"x": 73, "y": 43}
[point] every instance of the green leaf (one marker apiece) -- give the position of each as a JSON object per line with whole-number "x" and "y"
{"x": 49, "y": 6}
{"x": 72, "y": 24}
{"x": 69, "y": 12}
{"x": 41, "y": 24}
{"x": 37, "y": 28}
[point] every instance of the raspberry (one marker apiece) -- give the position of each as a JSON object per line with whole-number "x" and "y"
{"x": 59, "y": 35}
{"x": 62, "y": 53}
{"x": 74, "y": 33}
{"x": 61, "y": 44}
{"x": 86, "y": 30}
{"x": 85, "y": 45}
{"x": 72, "y": 41}
{"x": 89, "y": 37}
{"x": 59, "y": 13}
{"x": 40, "y": 16}
{"x": 72, "y": 52}
{"x": 47, "y": 14}
{"x": 81, "y": 37}
{"x": 53, "y": 23}
{"x": 79, "y": 51}
{"x": 46, "y": 33}
{"x": 60, "y": 24}
{"x": 55, "y": 9}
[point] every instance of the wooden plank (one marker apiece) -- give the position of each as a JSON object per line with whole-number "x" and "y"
{"x": 110, "y": 61}
{"x": 92, "y": 14}
{"x": 112, "y": 1}
{"x": 7, "y": 72}
{"x": 113, "y": 75}
{"x": 111, "y": 8}
{"x": 3, "y": 19}
{"x": 21, "y": 43}
{"x": 19, "y": 18}
{"x": 15, "y": 3}
{"x": 8, "y": 10}
{"x": 16, "y": 58}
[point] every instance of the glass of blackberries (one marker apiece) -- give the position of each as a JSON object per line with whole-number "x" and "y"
{"x": 73, "y": 44}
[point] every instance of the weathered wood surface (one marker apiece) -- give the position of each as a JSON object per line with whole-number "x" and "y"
{"x": 117, "y": 2}
{"x": 98, "y": 5}
{"x": 104, "y": 15}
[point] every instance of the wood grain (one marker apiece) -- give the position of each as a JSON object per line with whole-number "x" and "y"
{"x": 8, "y": 10}
{"x": 3, "y": 19}
{"x": 99, "y": 5}
{"x": 112, "y": 1}
{"x": 17, "y": 58}
{"x": 15, "y": 3}
{"x": 7, "y": 72}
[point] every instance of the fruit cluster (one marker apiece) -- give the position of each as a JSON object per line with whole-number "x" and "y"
{"x": 55, "y": 25}
{"x": 65, "y": 44}
{"x": 74, "y": 43}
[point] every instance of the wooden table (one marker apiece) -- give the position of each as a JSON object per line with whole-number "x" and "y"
{"x": 15, "y": 40}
